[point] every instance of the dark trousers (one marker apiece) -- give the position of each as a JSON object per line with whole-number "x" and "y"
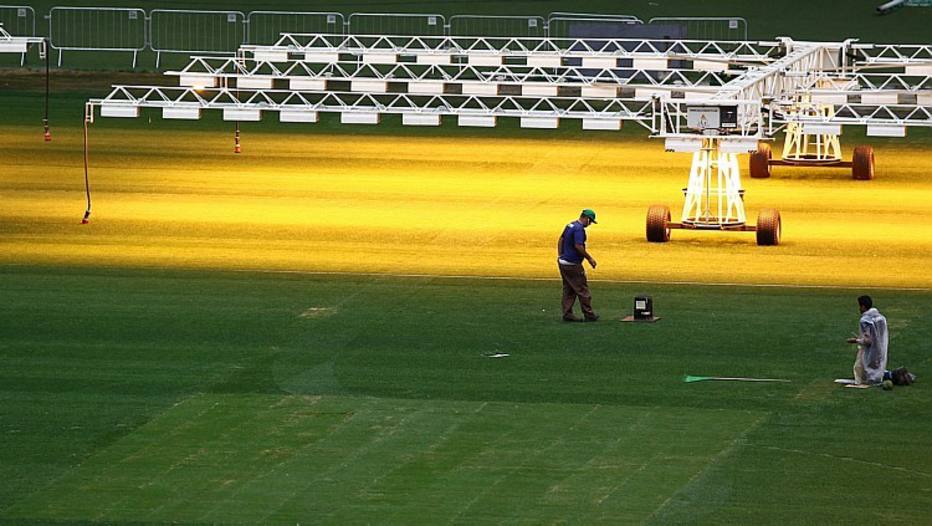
{"x": 575, "y": 285}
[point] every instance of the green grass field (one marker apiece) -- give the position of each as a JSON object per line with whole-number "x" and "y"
{"x": 188, "y": 397}
{"x": 154, "y": 393}
{"x": 201, "y": 354}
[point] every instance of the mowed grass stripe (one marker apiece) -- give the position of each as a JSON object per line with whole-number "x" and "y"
{"x": 267, "y": 458}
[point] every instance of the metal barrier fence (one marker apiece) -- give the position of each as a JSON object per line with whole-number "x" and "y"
{"x": 265, "y": 27}
{"x": 19, "y": 20}
{"x": 97, "y": 29}
{"x": 188, "y": 31}
{"x": 396, "y": 24}
{"x": 707, "y": 28}
{"x": 567, "y": 25}
{"x": 497, "y": 26}
{"x": 212, "y": 32}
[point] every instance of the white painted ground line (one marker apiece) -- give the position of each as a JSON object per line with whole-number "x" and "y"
{"x": 616, "y": 281}
{"x": 528, "y": 278}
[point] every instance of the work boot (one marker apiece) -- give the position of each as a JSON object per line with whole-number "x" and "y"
{"x": 594, "y": 317}
{"x": 571, "y": 318}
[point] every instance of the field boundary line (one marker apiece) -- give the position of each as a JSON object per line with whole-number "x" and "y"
{"x": 618, "y": 281}
{"x": 849, "y": 459}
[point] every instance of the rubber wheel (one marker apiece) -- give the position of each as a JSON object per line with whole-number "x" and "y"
{"x": 658, "y": 221}
{"x": 862, "y": 165}
{"x": 759, "y": 166}
{"x": 768, "y": 227}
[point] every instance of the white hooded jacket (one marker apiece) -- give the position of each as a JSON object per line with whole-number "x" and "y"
{"x": 874, "y": 326}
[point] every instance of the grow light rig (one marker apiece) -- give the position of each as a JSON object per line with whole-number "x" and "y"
{"x": 714, "y": 99}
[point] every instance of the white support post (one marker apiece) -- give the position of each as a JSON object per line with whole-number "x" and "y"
{"x": 714, "y": 202}
{"x": 695, "y": 188}
{"x": 812, "y": 144}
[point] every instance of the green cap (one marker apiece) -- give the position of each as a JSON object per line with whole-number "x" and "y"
{"x": 590, "y": 213}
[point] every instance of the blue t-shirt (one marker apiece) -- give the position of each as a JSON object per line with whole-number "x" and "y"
{"x": 573, "y": 234}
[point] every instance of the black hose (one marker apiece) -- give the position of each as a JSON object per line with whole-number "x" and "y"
{"x": 87, "y": 184}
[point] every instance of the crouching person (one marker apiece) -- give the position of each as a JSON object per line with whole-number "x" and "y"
{"x": 870, "y": 366}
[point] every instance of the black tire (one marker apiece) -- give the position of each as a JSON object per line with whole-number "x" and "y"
{"x": 658, "y": 224}
{"x": 769, "y": 227}
{"x": 759, "y": 165}
{"x": 862, "y": 165}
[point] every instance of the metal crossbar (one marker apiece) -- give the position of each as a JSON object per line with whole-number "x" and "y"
{"x": 337, "y": 101}
{"x": 743, "y": 52}
{"x": 864, "y": 114}
{"x": 894, "y": 82}
{"x": 891, "y": 54}
{"x": 675, "y": 79}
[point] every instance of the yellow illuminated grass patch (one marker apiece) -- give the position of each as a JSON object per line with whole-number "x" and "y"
{"x": 452, "y": 206}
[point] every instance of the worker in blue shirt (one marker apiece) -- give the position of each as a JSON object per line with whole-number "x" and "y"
{"x": 571, "y": 251}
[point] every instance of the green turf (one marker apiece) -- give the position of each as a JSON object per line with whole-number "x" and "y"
{"x": 137, "y": 396}
{"x": 283, "y": 458}
{"x": 144, "y": 395}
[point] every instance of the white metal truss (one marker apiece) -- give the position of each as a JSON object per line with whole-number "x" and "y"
{"x": 801, "y": 68}
{"x": 770, "y": 83}
{"x": 891, "y": 54}
{"x": 738, "y": 52}
{"x": 211, "y": 69}
{"x": 895, "y": 82}
{"x": 902, "y": 115}
{"x": 237, "y": 104}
